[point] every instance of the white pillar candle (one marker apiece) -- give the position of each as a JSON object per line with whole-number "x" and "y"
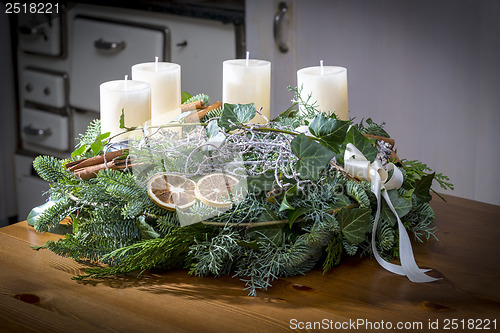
{"x": 165, "y": 81}
{"x": 131, "y": 96}
{"x": 327, "y": 86}
{"x": 248, "y": 81}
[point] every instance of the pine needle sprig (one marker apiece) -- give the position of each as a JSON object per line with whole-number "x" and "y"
{"x": 120, "y": 184}
{"x": 198, "y": 97}
{"x": 372, "y": 128}
{"x": 109, "y": 223}
{"x": 333, "y": 253}
{"x": 92, "y": 133}
{"x": 85, "y": 246}
{"x": 415, "y": 168}
{"x": 357, "y": 191}
{"x": 52, "y": 216}
{"x": 169, "y": 251}
{"x": 50, "y": 169}
{"x": 167, "y": 223}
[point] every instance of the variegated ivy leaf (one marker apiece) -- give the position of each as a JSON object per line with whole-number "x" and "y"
{"x": 147, "y": 232}
{"x": 236, "y": 114}
{"x": 361, "y": 142}
{"x": 293, "y": 215}
{"x": 330, "y": 131}
{"x": 354, "y": 223}
{"x": 401, "y": 205}
{"x": 423, "y": 186}
{"x": 313, "y": 157}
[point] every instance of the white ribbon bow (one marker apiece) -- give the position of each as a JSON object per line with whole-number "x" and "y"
{"x": 356, "y": 164}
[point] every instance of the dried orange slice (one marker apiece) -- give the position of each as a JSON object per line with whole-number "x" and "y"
{"x": 170, "y": 191}
{"x": 215, "y": 189}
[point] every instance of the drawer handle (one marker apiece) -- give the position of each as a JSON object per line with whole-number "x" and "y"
{"x": 32, "y": 131}
{"x": 277, "y": 29}
{"x": 101, "y": 44}
{"x": 33, "y": 31}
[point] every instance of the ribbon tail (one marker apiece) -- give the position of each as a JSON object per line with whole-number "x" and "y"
{"x": 376, "y": 187}
{"x": 408, "y": 264}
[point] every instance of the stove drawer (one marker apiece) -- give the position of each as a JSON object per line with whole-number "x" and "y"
{"x": 42, "y": 34}
{"x": 44, "y": 129}
{"x": 44, "y": 87}
{"x": 106, "y": 50}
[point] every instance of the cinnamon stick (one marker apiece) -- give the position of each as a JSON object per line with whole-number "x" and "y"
{"x": 381, "y": 138}
{"x": 92, "y": 170}
{"x": 99, "y": 159}
{"x": 192, "y": 106}
{"x": 195, "y": 116}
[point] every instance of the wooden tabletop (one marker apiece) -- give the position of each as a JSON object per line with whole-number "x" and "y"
{"x": 38, "y": 294}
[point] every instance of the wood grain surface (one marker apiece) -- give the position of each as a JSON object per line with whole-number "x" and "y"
{"x": 37, "y": 293}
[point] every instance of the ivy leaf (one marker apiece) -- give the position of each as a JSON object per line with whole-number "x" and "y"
{"x": 272, "y": 233}
{"x": 408, "y": 194}
{"x": 147, "y": 231}
{"x": 341, "y": 200}
{"x": 37, "y": 211}
{"x": 401, "y": 205}
{"x": 284, "y": 204}
{"x": 212, "y": 129}
{"x": 254, "y": 245}
{"x": 423, "y": 186}
{"x": 185, "y": 96}
{"x": 330, "y": 131}
{"x": 269, "y": 214}
{"x": 214, "y": 134}
{"x": 353, "y": 223}
{"x": 97, "y": 145}
{"x": 313, "y": 157}
{"x": 83, "y": 148}
{"x": 237, "y": 114}
{"x": 76, "y": 224}
{"x": 122, "y": 120}
{"x": 260, "y": 184}
{"x": 293, "y": 215}
{"x": 361, "y": 142}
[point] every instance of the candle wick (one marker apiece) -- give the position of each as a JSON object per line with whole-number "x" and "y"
{"x": 156, "y": 64}
{"x": 321, "y": 67}
{"x": 126, "y": 79}
{"x": 247, "y": 58}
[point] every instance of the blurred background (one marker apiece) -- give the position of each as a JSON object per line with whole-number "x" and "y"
{"x": 429, "y": 69}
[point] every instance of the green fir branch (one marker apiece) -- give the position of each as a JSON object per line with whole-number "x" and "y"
{"x": 50, "y": 218}
{"x": 50, "y": 168}
{"x": 169, "y": 251}
{"x": 333, "y": 253}
{"x": 199, "y": 97}
{"x": 85, "y": 246}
